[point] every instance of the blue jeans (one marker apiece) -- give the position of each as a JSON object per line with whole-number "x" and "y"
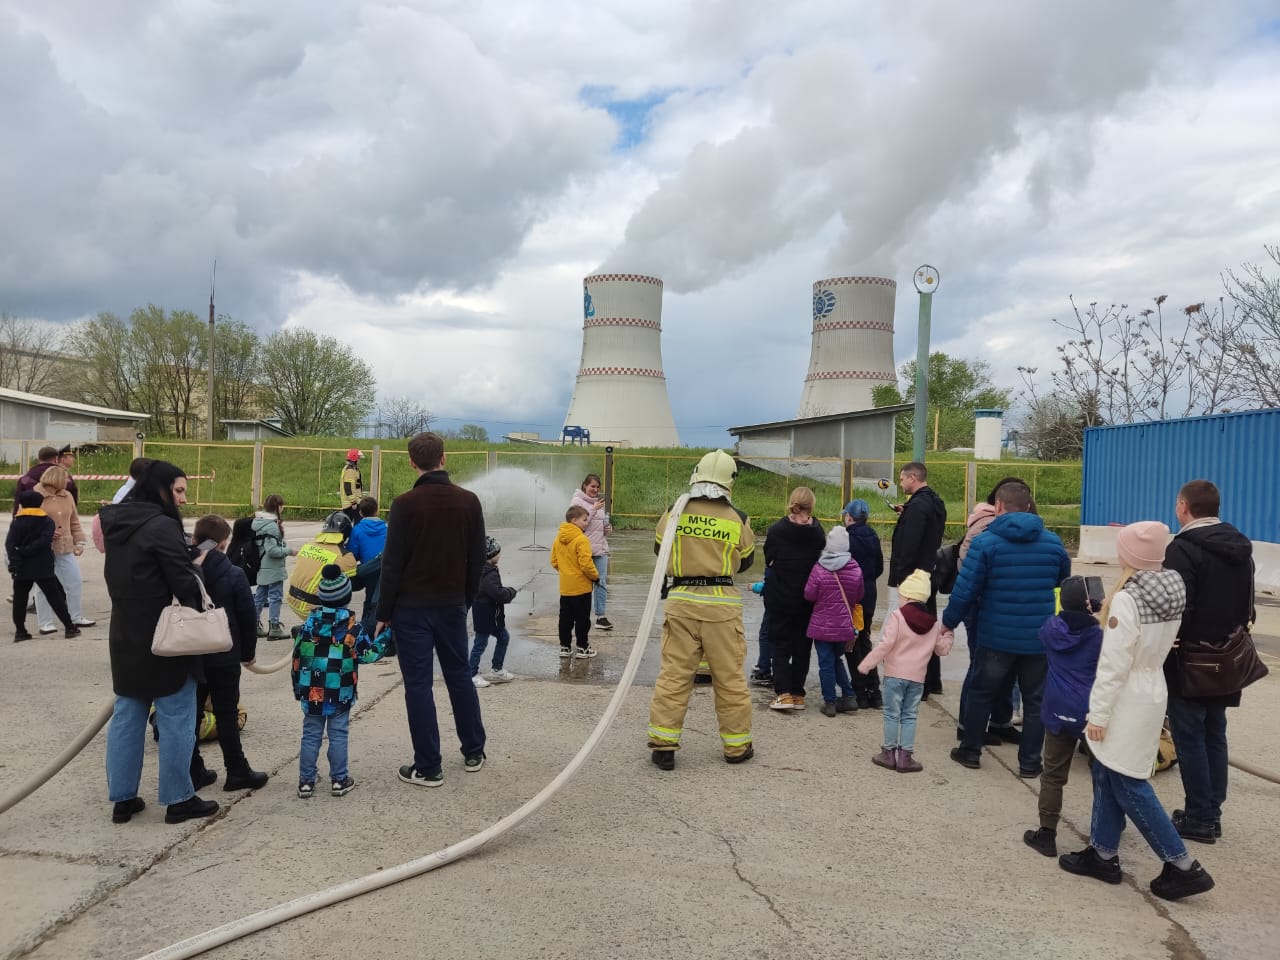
{"x": 901, "y": 705}
{"x": 831, "y": 670}
{"x": 420, "y": 631}
{"x": 600, "y": 592}
{"x": 127, "y": 734}
{"x": 1001, "y": 706}
{"x": 1199, "y": 729}
{"x": 499, "y": 649}
{"x": 269, "y": 594}
{"x": 313, "y": 728}
{"x": 764, "y": 662}
{"x": 1116, "y": 796}
{"x": 993, "y": 675}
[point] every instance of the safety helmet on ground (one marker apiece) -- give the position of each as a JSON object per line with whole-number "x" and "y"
{"x": 337, "y": 522}
{"x": 715, "y": 467}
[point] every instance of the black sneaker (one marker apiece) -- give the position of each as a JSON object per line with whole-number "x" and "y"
{"x": 847, "y": 705}
{"x": 1043, "y": 841}
{"x": 125, "y": 809}
{"x": 966, "y": 758}
{"x": 71, "y": 632}
{"x": 474, "y": 762}
{"x": 761, "y": 678}
{"x": 863, "y": 700}
{"x": 1196, "y": 830}
{"x": 663, "y": 759}
{"x": 1030, "y": 773}
{"x": 603, "y": 624}
{"x": 1174, "y": 884}
{"x": 1087, "y": 863}
{"x": 411, "y": 774}
{"x": 190, "y": 810}
{"x": 340, "y": 788}
{"x": 1009, "y": 734}
{"x": 20, "y": 636}
{"x": 740, "y": 758}
{"x": 875, "y": 701}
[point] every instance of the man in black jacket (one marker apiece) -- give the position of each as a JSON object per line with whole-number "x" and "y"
{"x": 1216, "y": 561}
{"x": 916, "y": 539}
{"x": 431, "y": 568}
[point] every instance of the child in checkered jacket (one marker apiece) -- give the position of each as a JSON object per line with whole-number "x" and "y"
{"x": 326, "y": 656}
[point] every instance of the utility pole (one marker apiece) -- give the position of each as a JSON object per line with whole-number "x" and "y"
{"x": 926, "y": 281}
{"x": 212, "y": 279}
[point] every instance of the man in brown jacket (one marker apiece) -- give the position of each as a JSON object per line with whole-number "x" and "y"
{"x": 431, "y": 568}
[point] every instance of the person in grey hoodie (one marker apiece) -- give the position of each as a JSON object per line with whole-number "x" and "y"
{"x": 268, "y": 530}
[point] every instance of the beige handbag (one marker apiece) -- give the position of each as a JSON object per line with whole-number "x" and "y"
{"x": 183, "y": 632}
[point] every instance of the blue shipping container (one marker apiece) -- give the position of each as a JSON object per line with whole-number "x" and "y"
{"x": 1134, "y": 471}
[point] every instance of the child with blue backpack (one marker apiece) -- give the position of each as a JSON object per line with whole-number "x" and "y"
{"x": 326, "y": 656}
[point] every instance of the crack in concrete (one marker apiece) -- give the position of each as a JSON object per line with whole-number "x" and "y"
{"x": 737, "y": 869}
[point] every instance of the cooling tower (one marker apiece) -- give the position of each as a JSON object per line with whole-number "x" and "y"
{"x": 621, "y": 392}
{"x": 852, "y": 350}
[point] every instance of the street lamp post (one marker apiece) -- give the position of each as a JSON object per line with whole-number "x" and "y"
{"x": 926, "y": 281}
{"x": 209, "y": 430}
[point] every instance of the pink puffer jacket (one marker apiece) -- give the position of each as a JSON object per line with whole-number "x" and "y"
{"x": 830, "y": 620}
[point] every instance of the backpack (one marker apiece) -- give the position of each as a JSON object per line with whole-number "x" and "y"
{"x": 245, "y": 550}
{"x": 946, "y": 567}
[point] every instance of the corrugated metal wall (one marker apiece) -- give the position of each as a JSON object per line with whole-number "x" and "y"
{"x": 1133, "y": 472}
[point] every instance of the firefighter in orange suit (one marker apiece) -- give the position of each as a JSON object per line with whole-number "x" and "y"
{"x": 702, "y": 617}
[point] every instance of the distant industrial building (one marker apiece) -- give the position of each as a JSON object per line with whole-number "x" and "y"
{"x": 29, "y": 421}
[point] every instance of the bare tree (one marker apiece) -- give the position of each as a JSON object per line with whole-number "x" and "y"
{"x": 1257, "y": 299}
{"x": 28, "y": 354}
{"x": 404, "y": 416}
{"x": 110, "y": 372}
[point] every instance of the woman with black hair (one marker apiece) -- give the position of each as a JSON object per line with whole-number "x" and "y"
{"x": 147, "y": 565}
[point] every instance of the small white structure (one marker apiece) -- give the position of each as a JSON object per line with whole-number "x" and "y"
{"x": 29, "y": 418}
{"x": 988, "y": 429}
{"x": 852, "y": 351}
{"x": 267, "y": 428}
{"x": 620, "y": 396}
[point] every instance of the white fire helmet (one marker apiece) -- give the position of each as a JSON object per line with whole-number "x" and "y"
{"x": 716, "y": 467}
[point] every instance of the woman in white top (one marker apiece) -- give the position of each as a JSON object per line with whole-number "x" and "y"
{"x": 1140, "y": 622}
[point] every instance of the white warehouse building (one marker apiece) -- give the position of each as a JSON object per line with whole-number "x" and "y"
{"x": 620, "y": 395}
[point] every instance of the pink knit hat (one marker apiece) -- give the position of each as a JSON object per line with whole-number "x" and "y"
{"x": 1141, "y": 545}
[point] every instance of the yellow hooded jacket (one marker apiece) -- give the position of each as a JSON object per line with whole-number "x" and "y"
{"x": 571, "y": 555}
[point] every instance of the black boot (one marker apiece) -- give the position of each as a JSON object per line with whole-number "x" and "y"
{"x": 246, "y": 779}
{"x": 125, "y": 809}
{"x": 1043, "y": 841}
{"x": 190, "y": 810}
{"x": 663, "y": 759}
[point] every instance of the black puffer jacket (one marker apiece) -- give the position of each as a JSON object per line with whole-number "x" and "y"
{"x": 864, "y": 546}
{"x": 147, "y": 565}
{"x": 229, "y": 589}
{"x": 29, "y": 546}
{"x": 917, "y": 535}
{"x": 1216, "y": 562}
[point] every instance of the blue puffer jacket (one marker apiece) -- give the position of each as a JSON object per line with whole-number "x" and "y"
{"x": 1072, "y": 641}
{"x": 1008, "y": 577}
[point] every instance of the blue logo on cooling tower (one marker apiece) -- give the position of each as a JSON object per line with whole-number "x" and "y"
{"x": 824, "y": 301}
{"x": 588, "y": 308}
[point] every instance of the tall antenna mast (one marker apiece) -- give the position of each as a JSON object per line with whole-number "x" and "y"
{"x": 212, "y": 280}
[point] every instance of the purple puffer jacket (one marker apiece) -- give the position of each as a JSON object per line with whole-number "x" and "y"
{"x": 830, "y": 620}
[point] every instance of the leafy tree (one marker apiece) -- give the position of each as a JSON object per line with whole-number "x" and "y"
{"x": 403, "y": 416}
{"x": 957, "y": 387}
{"x": 28, "y": 354}
{"x": 473, "y": 431}
{"x": 170, "y": 349}
{"x": 315, "y": 384}
{"x": 236, "y": 362}
{"x": 109, "y": 374}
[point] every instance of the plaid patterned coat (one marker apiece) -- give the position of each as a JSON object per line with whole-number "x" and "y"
{"x": 325, "y": 661}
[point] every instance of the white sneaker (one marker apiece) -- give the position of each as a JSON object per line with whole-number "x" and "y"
{"x": 48, "y": 628}
{"x": 584, "y": 653}
{"x": 1017, "y": 718}
{"x": 501, "y": 676}
{"x": 479, "y": 681}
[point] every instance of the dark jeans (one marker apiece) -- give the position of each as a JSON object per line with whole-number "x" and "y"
{"x": 764, "y": 662}
{"x": 1199, "y": 729}
{"x": 994, "y": 671}
{"x": 575, "y": 619}
{"x": 862, "y": 647}
{"x": 790, "y": 649}
{"x": 419, "y": 632}
{"x": 222, "y": 687}
{"x": 370, "y": 574}
{"x": 1002, "y": 705}
{"x": 53, "y": 592}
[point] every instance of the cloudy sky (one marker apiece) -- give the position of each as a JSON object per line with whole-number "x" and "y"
{"x": 430, "y": 181}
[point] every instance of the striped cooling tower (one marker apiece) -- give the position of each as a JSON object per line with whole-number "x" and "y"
{"x": 621, "y": 392}
{"x": 852, "y": 348}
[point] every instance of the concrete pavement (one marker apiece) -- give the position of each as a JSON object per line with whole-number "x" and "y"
{"x": 808, "y": 850}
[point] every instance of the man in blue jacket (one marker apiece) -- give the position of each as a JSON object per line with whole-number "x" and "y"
{"x": 1008, "y": 577}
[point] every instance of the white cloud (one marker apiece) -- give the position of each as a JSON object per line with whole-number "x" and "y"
{"x": 427, "y": 180}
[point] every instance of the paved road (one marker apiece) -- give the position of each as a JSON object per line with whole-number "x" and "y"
{"x": 807, "y": 851}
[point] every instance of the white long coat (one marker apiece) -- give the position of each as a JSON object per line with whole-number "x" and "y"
{"x": 1129, "y": 695}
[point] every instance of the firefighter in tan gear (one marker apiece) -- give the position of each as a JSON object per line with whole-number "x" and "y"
{"x": 352, "y": 486}
{"x": 702, "y": 617}
{"x": 329, "y": 546}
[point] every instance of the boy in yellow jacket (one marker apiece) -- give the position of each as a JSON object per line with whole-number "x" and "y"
{"x": 571, "y": 556}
